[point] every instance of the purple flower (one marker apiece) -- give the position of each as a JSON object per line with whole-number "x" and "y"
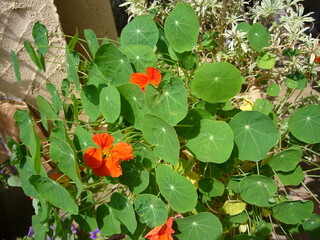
{"x": 31, "y": 232}
{"x": 73, "y": 229}
{"x": 95, "y": 234}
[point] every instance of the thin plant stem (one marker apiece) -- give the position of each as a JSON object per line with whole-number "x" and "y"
{"x": 305, "y": 186}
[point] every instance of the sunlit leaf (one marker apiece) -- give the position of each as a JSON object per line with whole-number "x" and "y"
{"x": 304, "y": 124}
{"x": 254, "y": 134}
{"x": 182, "y": 28}
{"x": 203, "y": 226}
{"x": 174, "y": 188}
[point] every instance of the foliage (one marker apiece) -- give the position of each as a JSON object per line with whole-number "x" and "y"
{"x": 188, "y": 153}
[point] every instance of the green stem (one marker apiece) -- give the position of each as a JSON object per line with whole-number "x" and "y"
{"x": 305, "y": 186}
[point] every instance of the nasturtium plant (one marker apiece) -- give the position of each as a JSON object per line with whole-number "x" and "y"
{"x": 259, "y": 37}
{"x": 214, "y": 143}
{"x": 203, "y": 225}
{"x": 254, "y": 134}
{"x": 177, "y": 130}
{"x": 293, "y": 212}
{"x": 216, "y": 82}
{"x": 182, "y": 28}
{"x": 304, "y": 124}
{"x": 257, "y": 190}
{"x": 174, "y": 188}
{"x": 141, "y": 31}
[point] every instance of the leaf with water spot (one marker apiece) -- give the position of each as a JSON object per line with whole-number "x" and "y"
{"x": 214, "y": 142}
{"x": 164, "y": 138}
{"x": 216, "y": 82}
{"x": 257, "y": 190}
{"x": 202, "y": 226}
{"x": 151, "y": 210}
{"x": 254, "y": 134}
{"x": 140, "y": 31}
{"x": 176, "y": 189}
{"x": 304, "y": 124}
{"x": 182, "y": 28}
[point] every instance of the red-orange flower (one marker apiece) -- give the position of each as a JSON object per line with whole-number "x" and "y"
{"x": 153, "y": 76}
{"x": 162, "y": 232}
{"x": 105, "y": 160}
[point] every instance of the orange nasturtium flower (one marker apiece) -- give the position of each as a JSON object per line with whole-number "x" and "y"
{"x": 153, "y": 76}
{"x": 163, "y": 232}
{"x": 105, "y": 160}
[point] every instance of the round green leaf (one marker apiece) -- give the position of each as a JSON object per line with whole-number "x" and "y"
{"x": 285, "y": 161}
{"x": 258, "y": 37}
{"x": 296, "y": 80}
{"x": 257, "y": 190}
{"x": 293, "y": 212}
{"x": 177, "y": 190}
{"x": 263, "y": 105}
{"x": 113, "y": 64}
{"x": 110, "y": 103}
{"x": 133, "y": 104}
{"x": 214, "y": 142}
{"x": 216, "y": 82}
{"x": 211, "y": 187}
{"x": 203, "y": 226}
{"x": 266, "y": 61}
{"x": 140, "y": 31}
{"x": 254, "y": 134}
{"x": 304, "y": 124}
{"x": 263, "y": 229}
{"x": 164, "y": 138}
{"x": 312, "y": 225}
{"x": 151, "y": 210}
{"x": 182, "y": 28}
{"x": 54, "y": 193}
{"x": 90, "y": 101}
{"x": 168, "y": 101}
{"x": 140, "y": 56}
{"x": 273, "y": 90}
{"x": 244, "y": 27}
{"x": 292, "y": 178}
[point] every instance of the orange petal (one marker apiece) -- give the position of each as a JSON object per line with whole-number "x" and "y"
{"x": 103, "y": 140}
{"x": 154, "y": 76}
{"x": 109, "y": 167}
{"x": 139, "y": 78}
{"x": 93, "y": 158}
{"x": 153, "y": 233}
{"x": 122, "y": 151}
{"x": 114, "y": 167}
{"x": 103, "y": 170}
